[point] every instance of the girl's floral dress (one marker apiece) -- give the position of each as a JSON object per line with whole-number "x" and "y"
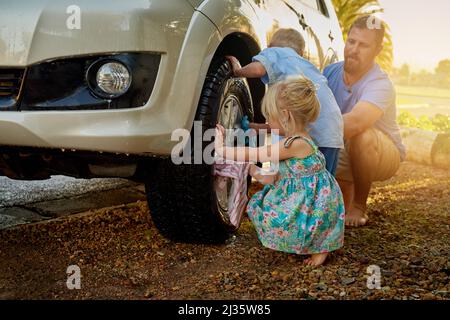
{"x": 303, "y": 212}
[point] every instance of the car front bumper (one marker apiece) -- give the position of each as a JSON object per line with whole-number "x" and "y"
{"x": 186, "y": 41}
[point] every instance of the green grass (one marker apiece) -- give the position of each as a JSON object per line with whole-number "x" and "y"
{"x": 423, "y": 101}
{"x": 423, "y": 91}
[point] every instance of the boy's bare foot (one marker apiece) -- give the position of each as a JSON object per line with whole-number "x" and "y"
{"x": 356, "y": 216}
{"x": 316, "y": 259}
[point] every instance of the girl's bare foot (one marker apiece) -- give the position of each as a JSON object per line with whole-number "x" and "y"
{"x": 316, "y": 259}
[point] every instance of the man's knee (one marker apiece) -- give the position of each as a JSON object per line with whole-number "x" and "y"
{"x": 364, "y": 144}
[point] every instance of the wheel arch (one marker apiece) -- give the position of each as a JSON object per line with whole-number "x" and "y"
{"x": 243, "y": 46}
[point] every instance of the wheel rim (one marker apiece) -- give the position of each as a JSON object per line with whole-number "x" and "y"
{"x": 230, "y": 116}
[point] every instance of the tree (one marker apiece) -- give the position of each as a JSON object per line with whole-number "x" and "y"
{"x": 404, "y": 71}
{"x": 441, "y": 123}
{"x": 443, "y": 68}
{"x": 349, "y": 10}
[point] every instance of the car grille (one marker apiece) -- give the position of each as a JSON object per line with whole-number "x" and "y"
{"x": 10, "y": 82}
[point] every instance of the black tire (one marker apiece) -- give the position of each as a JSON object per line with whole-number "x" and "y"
{"x": 181, "y": 198}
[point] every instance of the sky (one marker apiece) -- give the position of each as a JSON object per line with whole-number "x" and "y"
{"x": 420, "y": 31}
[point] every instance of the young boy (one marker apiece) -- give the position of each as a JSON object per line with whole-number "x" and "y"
{"x": 284, "y": 58}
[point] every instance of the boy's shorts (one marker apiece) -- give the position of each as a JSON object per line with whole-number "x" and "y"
{"x": 276, "y": 138}
{"x": 331, "y": 158}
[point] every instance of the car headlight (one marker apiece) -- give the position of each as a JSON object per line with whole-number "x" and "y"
{"x": 113, "y": 78}
{"x": 126, "y": 80}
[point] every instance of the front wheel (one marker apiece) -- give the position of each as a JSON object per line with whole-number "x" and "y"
{"x": 187, "y": 202}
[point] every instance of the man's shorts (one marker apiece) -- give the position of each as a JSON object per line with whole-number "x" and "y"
{"x": 331, "y": 158}
{"x": 389, "y": 159}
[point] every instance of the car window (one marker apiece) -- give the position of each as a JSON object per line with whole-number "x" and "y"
{"x": 323, "y": 7}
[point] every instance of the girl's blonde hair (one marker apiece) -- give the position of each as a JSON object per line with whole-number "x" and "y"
{"x": 295, "y": 95}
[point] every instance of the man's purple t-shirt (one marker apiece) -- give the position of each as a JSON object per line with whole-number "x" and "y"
{"x": 376, "y": 88}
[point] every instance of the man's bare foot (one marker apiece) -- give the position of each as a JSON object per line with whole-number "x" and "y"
{"x": 356, "y": 216}
{"x": 316, "y": 259}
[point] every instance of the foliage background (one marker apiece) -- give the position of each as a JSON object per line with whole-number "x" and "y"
{"x": 348, "y": 11}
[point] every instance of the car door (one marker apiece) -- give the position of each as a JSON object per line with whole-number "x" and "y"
{"x": 275, "y": 14}
{"x": 314, "y": 19}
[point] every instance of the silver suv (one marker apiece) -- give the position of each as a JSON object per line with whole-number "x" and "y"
{"x": 95, "y": 88}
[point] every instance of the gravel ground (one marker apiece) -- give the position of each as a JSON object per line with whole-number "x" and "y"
{"x": 16, "y": 192}
{"x": 122, "y": 256}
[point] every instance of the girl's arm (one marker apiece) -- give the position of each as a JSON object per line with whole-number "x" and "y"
{"x": 269, "y": 153}
{"x": 259, "y": 126}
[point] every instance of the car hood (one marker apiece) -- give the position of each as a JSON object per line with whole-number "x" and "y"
{"x": 36, "y": 30}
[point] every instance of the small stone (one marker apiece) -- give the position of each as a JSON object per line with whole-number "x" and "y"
{"x": 321, "y": 286}
{"x": 342, "y": 272}
{"x": 286, "y": 277}
{"x": 328, "y": 273}
{"x": 318, "y": 272}
{"x": 348, "y": 281}
{"x": 148, "y": 294}
{"x": 342, "y": 294}
{"x": 364, "y": 260}
{"x": 428, "y": 296}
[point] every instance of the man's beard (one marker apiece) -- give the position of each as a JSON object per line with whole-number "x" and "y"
{"x": 351, "y": 66}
